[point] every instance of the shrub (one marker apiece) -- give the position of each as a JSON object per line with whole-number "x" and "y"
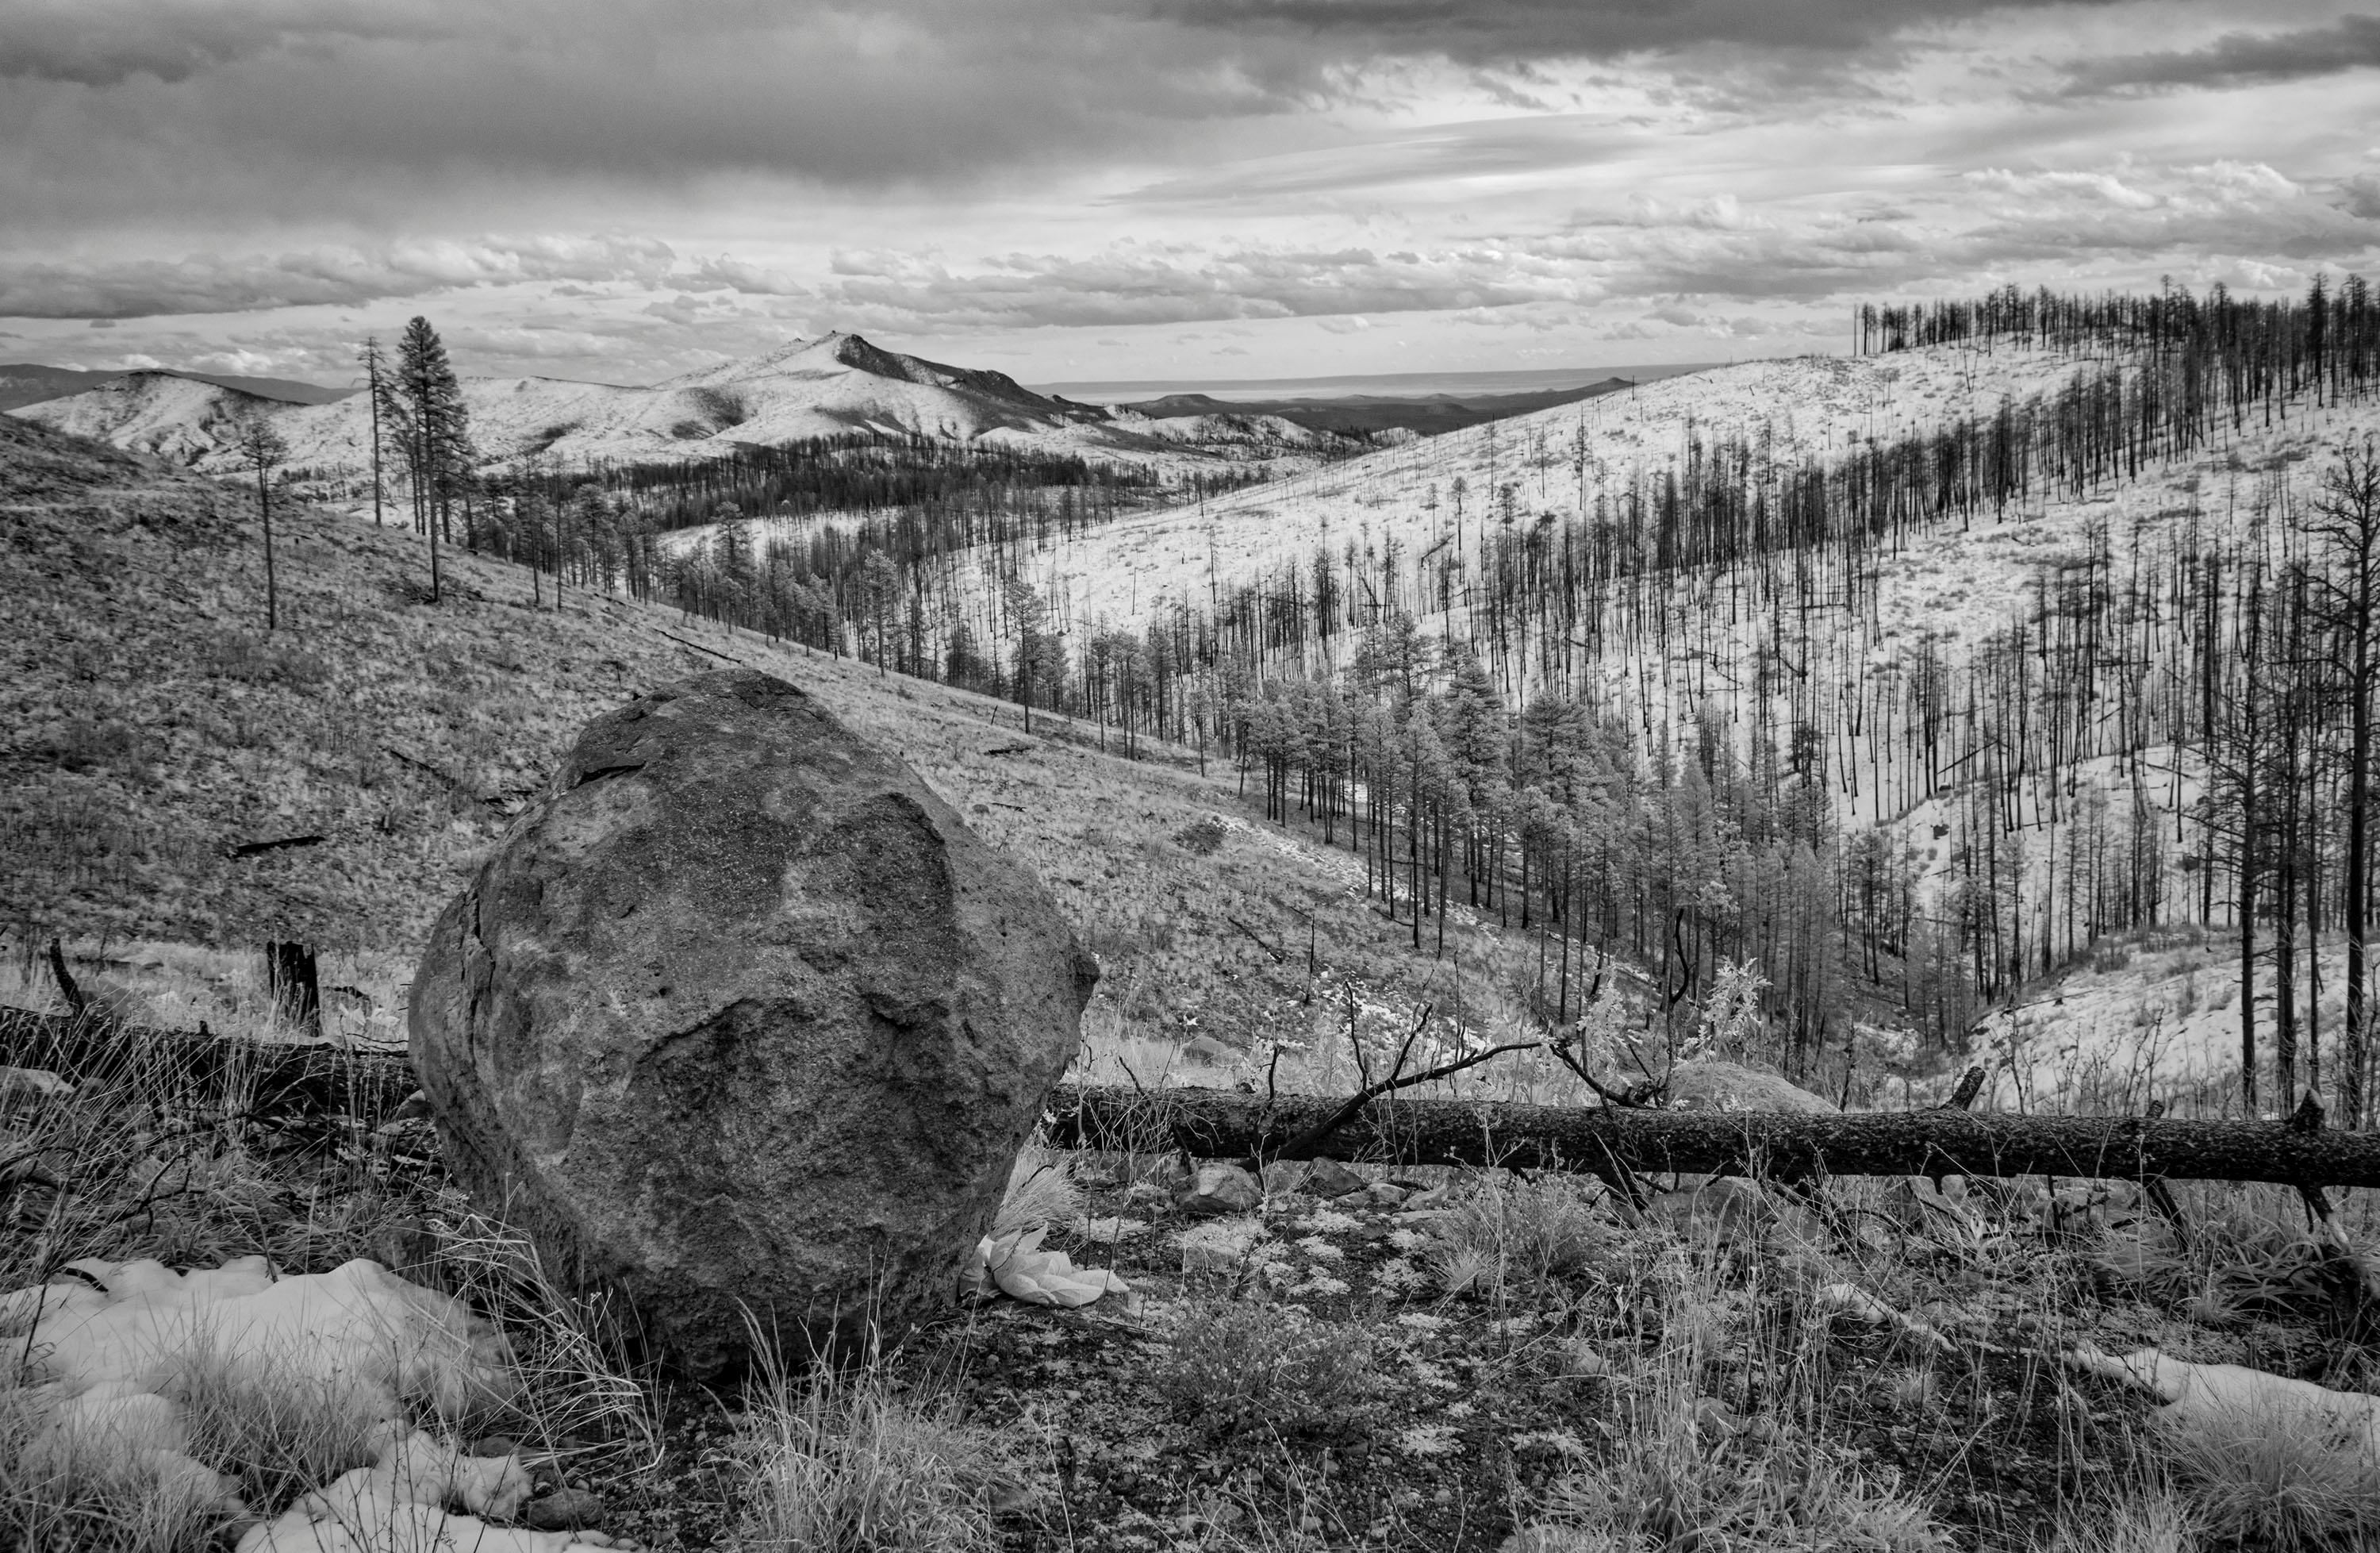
{"x": 1247, "y": 1364}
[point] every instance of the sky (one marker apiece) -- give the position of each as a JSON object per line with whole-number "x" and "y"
{"x": 629, "y": 190}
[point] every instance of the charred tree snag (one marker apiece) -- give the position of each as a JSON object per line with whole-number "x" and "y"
{"x": 1229, "y": 1125}
{"x": 296, "y": 983}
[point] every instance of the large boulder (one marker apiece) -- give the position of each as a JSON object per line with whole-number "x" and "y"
{"x": 739, "y": 1014}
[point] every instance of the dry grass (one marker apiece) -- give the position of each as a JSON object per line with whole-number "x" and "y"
{"x": 1682, "y": 1471}
{"x": 89, "y": 1495}
{"x": 1503, "y": 1234}
{"x": 1240, "y": 1364}
{"x": 844, "y": 1462}
{"x": 2279, "y": 1482}
{"x": 1042, "y": 1191}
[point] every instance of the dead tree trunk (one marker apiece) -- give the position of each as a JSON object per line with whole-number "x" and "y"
{"x": 1228, "y": 1125}
{"x": 295, "y": 984}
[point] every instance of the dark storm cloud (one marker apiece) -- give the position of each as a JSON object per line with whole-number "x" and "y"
{"x": 2239, "y": 59}
{"x": 127, "y": 108}
{"x": 1494, "y": 31}
{"x": 102, "y": 43}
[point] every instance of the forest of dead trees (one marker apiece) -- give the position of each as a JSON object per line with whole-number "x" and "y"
{"x": 1669, "y": 722}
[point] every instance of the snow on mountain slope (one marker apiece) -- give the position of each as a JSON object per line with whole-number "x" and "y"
{"x": 1812, "y": 405}
{"x": 177, "y": 418}
{"x": 833, "y": 385}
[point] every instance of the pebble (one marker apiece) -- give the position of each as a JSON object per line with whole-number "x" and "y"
{"x": 565, "y": 1511}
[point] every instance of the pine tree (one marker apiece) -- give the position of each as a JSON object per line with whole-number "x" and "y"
{"x": 437, "y": 434}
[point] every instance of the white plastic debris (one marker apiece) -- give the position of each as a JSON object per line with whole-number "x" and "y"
{"x": 1015, "y": 1264}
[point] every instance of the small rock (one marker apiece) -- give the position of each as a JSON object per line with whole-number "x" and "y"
{"x": 1386, "y": 1194}
{"x": 1327, "y": 1178}
{"x": 1220, "y": 1189}
{"x": 494, "y": 1445}
{"x": 1310, "y": 1524}
{"x": 565, "y": 1511}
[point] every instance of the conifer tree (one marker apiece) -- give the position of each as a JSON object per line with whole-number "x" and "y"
{"x": 437, "y": 433}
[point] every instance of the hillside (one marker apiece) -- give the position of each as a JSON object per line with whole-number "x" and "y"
{"x": 25, "y": 383}
{"x": 1431, "y": 1359}
{"x": 834, "y": 385}
{"x": 370, "y": 750}
{"x": 1906, "y": 678}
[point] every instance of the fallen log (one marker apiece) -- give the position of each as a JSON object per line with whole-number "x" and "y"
{"x": 1219, "y": 1124}
{"x": 194, "y": 1069}
{"x": 1228, "y": 1124}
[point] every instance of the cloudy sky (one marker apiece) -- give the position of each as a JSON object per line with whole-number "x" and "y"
{"x": 625, "y": 190}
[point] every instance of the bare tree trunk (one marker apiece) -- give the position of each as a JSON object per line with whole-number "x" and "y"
{"x": 291, "y": 976}
{"x": 1227, "y": 1124}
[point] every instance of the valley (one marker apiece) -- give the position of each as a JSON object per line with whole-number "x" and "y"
{"x": 1825, "y": 725}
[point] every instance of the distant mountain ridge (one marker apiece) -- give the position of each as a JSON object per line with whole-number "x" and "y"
{"x": 24, "y": 383}
{"x": 1370, "y": 414}
{"x": 835, "y": 385}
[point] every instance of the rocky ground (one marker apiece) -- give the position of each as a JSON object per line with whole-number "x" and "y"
{"x": 1440, "y": 1362}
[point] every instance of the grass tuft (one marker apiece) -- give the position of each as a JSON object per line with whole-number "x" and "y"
{"x": 1236, "y": 1365}
{"x": 843, "y": 1463}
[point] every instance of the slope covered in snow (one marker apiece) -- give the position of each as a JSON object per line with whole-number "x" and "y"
{"x": 833, "y": 386}
{"x": 177, "y": 418}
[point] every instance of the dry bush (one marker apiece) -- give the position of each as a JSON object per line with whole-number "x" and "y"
{"x": 1251, "y": 1364}
{"x": 843, "y": 1463}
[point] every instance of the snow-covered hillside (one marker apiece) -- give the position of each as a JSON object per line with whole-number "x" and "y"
{"x": 1811, "y": 405}
{"x": 835, "y": 385}
{"x": 179, "y": 419}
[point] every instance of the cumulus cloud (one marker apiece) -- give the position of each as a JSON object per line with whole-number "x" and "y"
{"x": 2237, "y": 59}
{"x": 332, "y": 276}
